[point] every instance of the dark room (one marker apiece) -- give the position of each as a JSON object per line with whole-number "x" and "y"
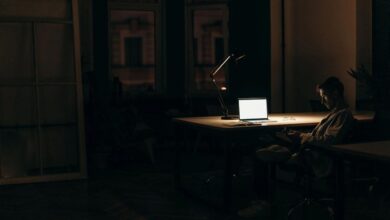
{"x": 195, "y": 109}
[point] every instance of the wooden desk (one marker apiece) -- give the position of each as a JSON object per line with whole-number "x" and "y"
{"x": 377, "y": 151}
{"x": 276, "y": 120}
{"x": 229, "y": 131}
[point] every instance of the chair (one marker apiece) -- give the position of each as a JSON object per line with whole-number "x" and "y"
{"x": 357, "y": 168}
{"x": 307, "y": 176}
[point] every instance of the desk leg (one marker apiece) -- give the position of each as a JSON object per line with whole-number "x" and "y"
{"x": 177, "y": 160}
{"x": 340, "y": 190}
{"x": 177, "y": 175}
{"x": 227, "y": 176}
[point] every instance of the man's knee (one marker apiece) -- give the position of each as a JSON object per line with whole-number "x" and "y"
{"x": 273, "y": 154}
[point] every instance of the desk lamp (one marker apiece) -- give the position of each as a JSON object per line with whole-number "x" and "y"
{"x": 225, "y": 111}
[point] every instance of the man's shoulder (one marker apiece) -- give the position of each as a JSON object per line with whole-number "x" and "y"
{"x": 344, "y": 111}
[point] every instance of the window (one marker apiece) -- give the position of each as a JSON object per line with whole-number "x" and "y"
{"x": 41, "y": 113}
{"x": 219, "y": 49}
{"x": 208, "y": 33}
{"x": 133, "y": 47}
{"x": 133, "y": 51}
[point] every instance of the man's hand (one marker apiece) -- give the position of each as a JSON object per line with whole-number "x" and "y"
{"x": 283, "y": 136}
{"x": 304, "y": 137}
{"x": 290, "y": 136}
{"x": 294, "y": 134}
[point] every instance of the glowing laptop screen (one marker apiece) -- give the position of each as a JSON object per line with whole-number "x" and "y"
{"x": 252, "y": 108}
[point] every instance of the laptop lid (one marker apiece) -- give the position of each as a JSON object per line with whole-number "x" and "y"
{"x": 251, "y": 109}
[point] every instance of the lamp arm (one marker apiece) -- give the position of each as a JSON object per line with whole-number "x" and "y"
{"x": 225, "y": 110}
{"x": 212, "y": 74}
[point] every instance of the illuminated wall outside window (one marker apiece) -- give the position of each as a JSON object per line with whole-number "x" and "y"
{"x": 209, "y": 40}
{"x": 133, "y": 49}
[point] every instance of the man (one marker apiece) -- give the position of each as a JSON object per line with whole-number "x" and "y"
{"x": 333, "y": 129}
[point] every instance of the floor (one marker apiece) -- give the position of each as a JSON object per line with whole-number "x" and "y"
{"x": 137, "y": 190}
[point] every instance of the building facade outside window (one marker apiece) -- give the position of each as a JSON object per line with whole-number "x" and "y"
{"x": 135, "y": 40}
{"x": 134, "y": 46}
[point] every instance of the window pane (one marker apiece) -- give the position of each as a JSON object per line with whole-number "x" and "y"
{"x": 15, "y": 54}
{"x": 55, "y": 53}
{"x": 18, "y": 106}
{"x": 133, "y": 49}
{"x": 208, "y": 47}
{"x": 19, "y": 152}
{"x": 57, "y": 104}
{"x": 60, "y": 149}
{"x": 37, "y": 8}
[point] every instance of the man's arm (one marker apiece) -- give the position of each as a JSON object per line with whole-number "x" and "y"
{"x": 335, "y": 132}
{"x": 290, "y": 136}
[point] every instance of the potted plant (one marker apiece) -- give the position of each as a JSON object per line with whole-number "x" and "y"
{"x": 378, "y": 87}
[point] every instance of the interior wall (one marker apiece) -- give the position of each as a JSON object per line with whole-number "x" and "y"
{"x": 364, "y": 43}
{"x": 276, "y": 56}
{"x": 320, "y": 42}
{"x": 249, "y": 33}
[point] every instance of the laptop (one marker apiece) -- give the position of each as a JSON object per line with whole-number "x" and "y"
{"x": 253, "y": 110}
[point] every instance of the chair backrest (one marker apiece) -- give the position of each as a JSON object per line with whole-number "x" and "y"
{"x": 353, "y": 133}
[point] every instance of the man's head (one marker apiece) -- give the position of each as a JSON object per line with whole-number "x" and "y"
{"x": 331, "y": 92}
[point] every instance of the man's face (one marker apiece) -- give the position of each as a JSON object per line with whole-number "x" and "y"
{"x": 328, "y": 99}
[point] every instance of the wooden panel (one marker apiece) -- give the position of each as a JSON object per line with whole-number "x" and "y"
{"x": 60, "y": 149}
{"x": 17, "y": 106}
{"x": 37, "y": 8}
{"x": 15, "y": 54}
{"x": 54, "y": 46}
{"x": 57, "y": 104}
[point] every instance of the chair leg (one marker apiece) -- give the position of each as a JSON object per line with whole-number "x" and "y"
{"x": 306, "y": 202}
{"x": 292, "y": 210}
{"x": 149, "y": 148}
{"x": 329, "y": 208}
{"x": 331, "y": 212}
{"x": 197, "y": 142}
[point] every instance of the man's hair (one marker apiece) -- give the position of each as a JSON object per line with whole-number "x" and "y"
{"x": 332, "y": 84}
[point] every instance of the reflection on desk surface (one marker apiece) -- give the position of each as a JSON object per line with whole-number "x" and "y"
{"x": 279, "y": 119}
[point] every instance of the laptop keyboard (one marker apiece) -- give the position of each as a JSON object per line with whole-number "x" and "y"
{"x": 258, "y": 121}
